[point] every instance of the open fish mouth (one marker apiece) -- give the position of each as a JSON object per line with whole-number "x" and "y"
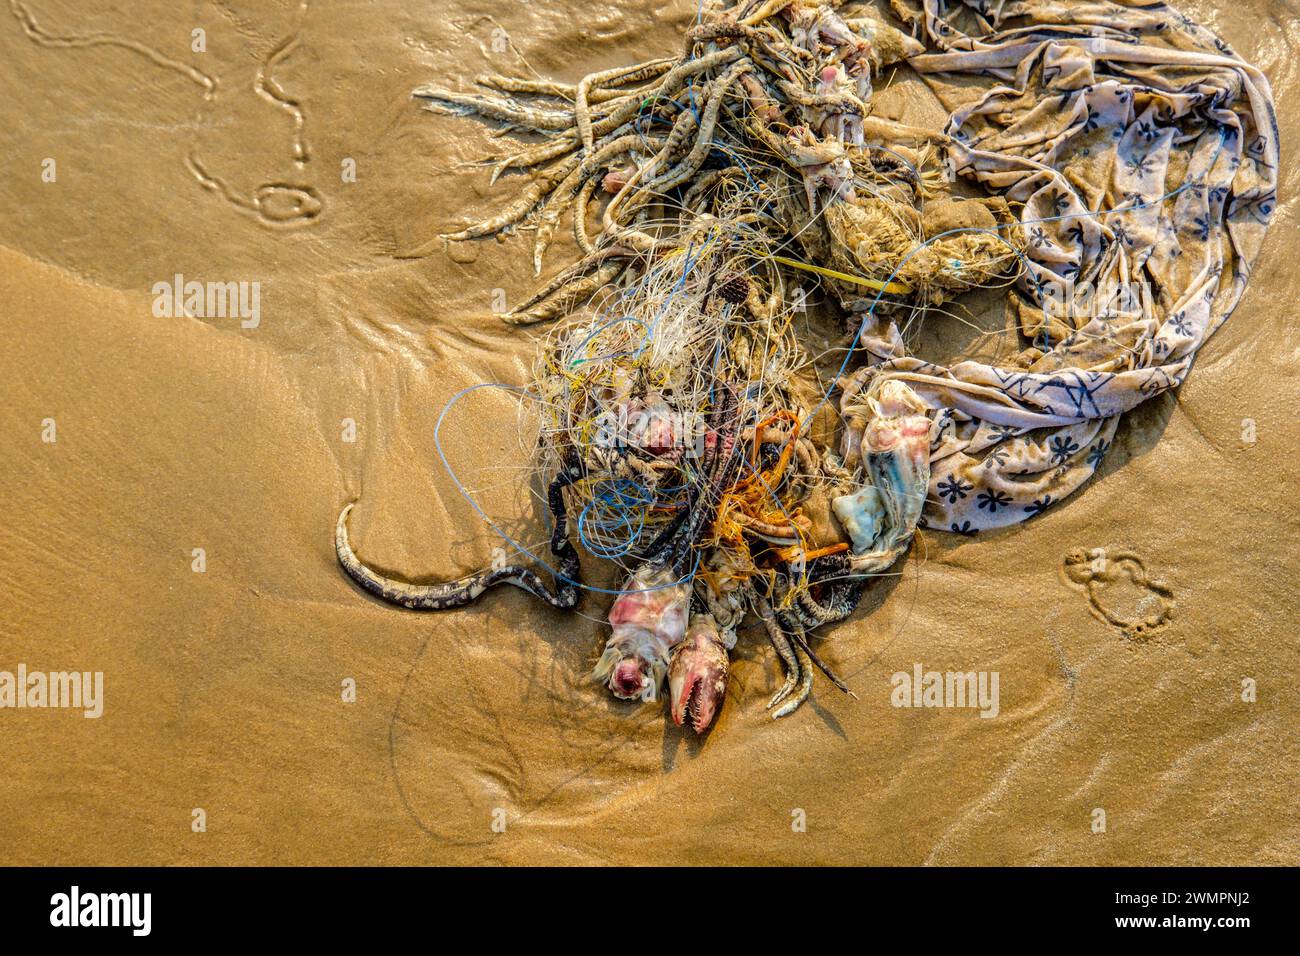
{"x": 628, "y": 681}
{"x": 697, "y": 677}
{"x": 675, "y": 409}
{"x": 693, "y": 706}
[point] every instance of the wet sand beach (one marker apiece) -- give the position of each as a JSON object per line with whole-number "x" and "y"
{"x": 177, "y": 533}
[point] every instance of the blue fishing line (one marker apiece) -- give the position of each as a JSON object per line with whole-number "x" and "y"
{"x": 518, "y": 547}
{"x": 730, "y": 152}
{"x": 609, "y": 355}
{"x": 620, "y": 498}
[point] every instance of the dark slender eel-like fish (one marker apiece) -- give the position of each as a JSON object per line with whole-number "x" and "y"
{"x": 453, "y": 594}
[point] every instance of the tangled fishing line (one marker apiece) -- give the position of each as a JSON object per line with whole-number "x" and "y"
{"x": 1128, "y": 160}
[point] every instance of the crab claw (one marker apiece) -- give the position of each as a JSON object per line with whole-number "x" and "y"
{"x": 697, "y": 676}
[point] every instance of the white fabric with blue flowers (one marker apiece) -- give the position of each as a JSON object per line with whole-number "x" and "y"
{"x": 1143, "y": 150}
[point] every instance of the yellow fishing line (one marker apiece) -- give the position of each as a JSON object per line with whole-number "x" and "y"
{"x": 893, "y": 287}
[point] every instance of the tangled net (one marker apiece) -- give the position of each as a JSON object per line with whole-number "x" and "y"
{"x": 677, "y": 403}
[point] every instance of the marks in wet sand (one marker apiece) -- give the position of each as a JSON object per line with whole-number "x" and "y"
{"x": 272, "y": 91}
{"x": 276, "y": 202}
{"x": 42, "y": 37}
{"x": 1120, "y": 591}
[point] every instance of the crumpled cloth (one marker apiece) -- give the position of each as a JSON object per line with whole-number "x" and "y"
{"x": 1082, "y": 108}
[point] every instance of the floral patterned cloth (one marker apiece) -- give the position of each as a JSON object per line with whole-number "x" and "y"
{"x": 1144, "y": 151}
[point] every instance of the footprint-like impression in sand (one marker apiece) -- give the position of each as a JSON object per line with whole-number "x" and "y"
{"x": 1120, "y": 591}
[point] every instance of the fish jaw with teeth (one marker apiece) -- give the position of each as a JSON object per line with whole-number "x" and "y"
{"x": 697, "y": 676}
{"x": 648, "y": 620}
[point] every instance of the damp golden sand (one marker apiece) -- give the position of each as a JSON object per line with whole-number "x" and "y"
{"x": 177, "y": 532}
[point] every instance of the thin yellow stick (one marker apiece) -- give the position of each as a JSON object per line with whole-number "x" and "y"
{"x": 894, "y": 287}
